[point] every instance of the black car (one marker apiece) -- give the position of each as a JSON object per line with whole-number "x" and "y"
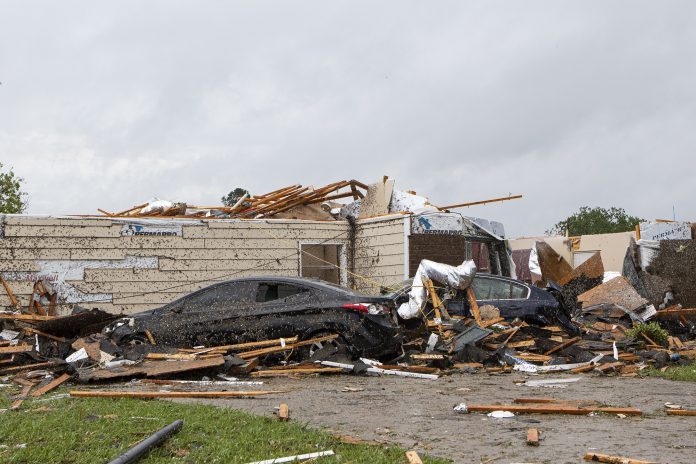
{"x": 260, "y": 308}
{"x": 514, "y": 299}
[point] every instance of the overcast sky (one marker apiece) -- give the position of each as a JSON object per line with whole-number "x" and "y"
{"x": 568, "y": 103}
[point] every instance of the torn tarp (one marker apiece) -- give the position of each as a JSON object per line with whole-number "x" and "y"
{"x": 459, "y": 277}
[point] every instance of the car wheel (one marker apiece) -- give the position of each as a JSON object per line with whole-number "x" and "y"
{"x": 334, "y": 350}
{"x": 135, "y": 339}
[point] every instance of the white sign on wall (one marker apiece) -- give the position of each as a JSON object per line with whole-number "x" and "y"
{"x": 665, "y": 231}
{"x": 164, "y": 230}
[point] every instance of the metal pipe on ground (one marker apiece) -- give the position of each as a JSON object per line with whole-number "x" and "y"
{"x": 142, "y": 448}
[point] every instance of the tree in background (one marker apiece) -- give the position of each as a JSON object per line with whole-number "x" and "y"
{"x": 595, "y": 220}
{"x": 234, "y": 196}
{"x": 12, "y": 198}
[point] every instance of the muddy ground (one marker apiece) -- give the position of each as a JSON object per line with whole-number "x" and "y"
{"x": 418, "y": 414}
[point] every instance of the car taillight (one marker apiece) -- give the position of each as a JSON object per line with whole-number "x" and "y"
{"x": 367, "y": 308}
{"x": 362, "y": 308}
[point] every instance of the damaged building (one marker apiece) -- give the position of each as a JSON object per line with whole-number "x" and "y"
{"x": 133, "y": 261}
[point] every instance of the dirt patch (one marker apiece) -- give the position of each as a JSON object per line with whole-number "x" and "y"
{"x": 418, "y": 414}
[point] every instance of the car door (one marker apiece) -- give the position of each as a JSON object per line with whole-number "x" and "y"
{"x": 506, "y": 295}
{"x": 210, "y": 315}
{"x": 282, "y": 308}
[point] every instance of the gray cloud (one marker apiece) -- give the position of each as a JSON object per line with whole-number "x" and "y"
{"x": 568, "y": 103}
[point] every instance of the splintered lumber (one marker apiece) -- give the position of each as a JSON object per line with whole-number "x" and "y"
{"x": 27, "y": 317}
{"x": 296, "y": 458}
{"x": 150, "y": 338}
{"x": 440, "y": 309}
{"x": 675, "y": 312}
{"x": 681, "y": 412}
{"x": 244, "y": 346}
{"x": 172, "y": 356}
{"x": 555, "y": 401}
{"x": 481, "y": 202}
{"x": 532, "y": 357}
{"x": 490, "y": 322}
{"x": 283, "y": 412}
{"x": 44, "y": 334}
{"x": 51, "y": 385}
{"x": 521, "y": 344}
{"x": 170, "y": 394}
{"x": 150, "y": 368}
{"x": 30, "y": 367}
{"x": 278, "y": 349}
{"x": 427, "y": 357}
{"x": 596, "y": 457}
{"x": 413, "y": 458}
{"x": 551, "y": 409}
{"x": 473, "y": 305}
{"x": 22, "y": 396}
{"x": 15, "y": 349}
{"x": 13, "y": 299}
{"x": 533, "y": 437}
{"x": 563, "y": 345}
{"x": 289, "y": 372}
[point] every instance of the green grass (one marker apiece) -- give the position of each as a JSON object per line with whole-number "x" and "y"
{"x": 88, "y": 430}
{"x": 686, "y": 373}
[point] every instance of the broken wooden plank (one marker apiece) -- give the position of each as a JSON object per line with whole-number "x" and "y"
{"x": 533, "y": 437}
{"x": 10, "y": 294}
{"x": 533, "y": 357}
{"x": 521, "y": 344}
{"x": 44, "y": 334}
{"x": 413, "y": 458}
{"x": 283, "y": 412}
{"x": 563, "y": 345}
{"x": 150, "y": 338}
{"x": 170, "y": 394}
{"x": 30, "y": 367}
{"x": 473, "y": 305}
{"x": 596, "y": 457}
{"x": 244, "y": 346}
{"x": 174, "y": 356}
{"x": 289, "y": 372}
{"x": 551, "y": 409}
{"x": 149, "y": 368}
{"x": 27, "y": 317}
{"x": 665, "y": 313}
{"x": 427, "y": 357}
{"x": 491, "y": 322}
{"x": 681, "y": 412}
{"x": 278, "y": 349}
{"x": 51, "y": 385}
{"x": 22, "y": 396}
{"x": 23, "y": 348}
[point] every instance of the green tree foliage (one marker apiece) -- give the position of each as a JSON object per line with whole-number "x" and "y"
{"x": 12, "y": 198}
{"x": 595, "y": 220}
{"x": 233, "y": 197}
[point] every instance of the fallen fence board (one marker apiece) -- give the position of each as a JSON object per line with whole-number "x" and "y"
{"x": 15, "y": 349}
{"x": 413, "y": 458}
{"x": 595, "y": 457}
{"x": 170, "y": 394}
{"x": 551, "y": 409}
{"x": 533, "y": 437}
{"x": 149, "y": 369}
{"x": 51, "y": 385}
{"x": 681, "y": 412}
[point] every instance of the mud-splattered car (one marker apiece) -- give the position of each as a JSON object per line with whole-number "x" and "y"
{"x": 258, "y": 308}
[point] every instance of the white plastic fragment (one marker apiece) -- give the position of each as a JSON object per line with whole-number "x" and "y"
{"x": 296, "y": 458}
{"x": 461, "y": 408}
{"x": 501, "y": 414}
{"x": 551, "y": 383}
{"x": 79, "y": 355}
{"x": 616, "y": 351}
{"x": 459, "y": 277}
{"x": 379, "y": 371}
{"x": 8, "y": 334}
{"x": 531, "y": 368}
